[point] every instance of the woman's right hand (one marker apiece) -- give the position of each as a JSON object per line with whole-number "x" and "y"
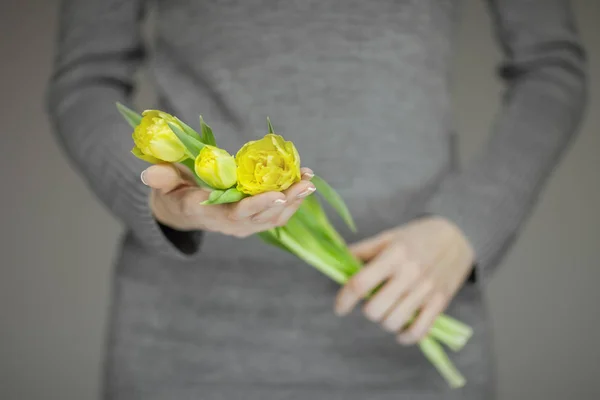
{"x": 175, "y": 201}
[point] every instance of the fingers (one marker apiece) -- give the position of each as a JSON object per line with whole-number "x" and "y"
{"x": 163, "y": 177}
{"x": 280, "y": 215}
{"x": 367, "y": 249}
{"x": 183, "y": 206}
{"x": 299, "y": 190}
{"x": 384, "y": 300}
{"x": 189, "y": 202}
{"x": 186, "y": 173}
{"x": 307, "y": 174}
{"x": 424, "y": 321}
{"x": 366, "y": 280}
{"x": 256, "y": 204}
{"x": 408, "y": 306}
{"x": 270, "y": 215}
{"x": 294, "y": 196}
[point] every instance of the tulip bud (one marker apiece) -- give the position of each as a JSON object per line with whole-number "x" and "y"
{"x": 216, "y": 167}
{"x": 154, "y": 140}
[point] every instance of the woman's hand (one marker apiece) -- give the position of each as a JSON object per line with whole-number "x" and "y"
{"x": 175, "y": 201}
{"x": 421, "y": 265}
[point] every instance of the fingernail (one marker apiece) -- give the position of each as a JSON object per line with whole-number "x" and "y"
{"x": 142, "y": 177}
{"x": 308, "y": 175}
{"x": 279, "y": 202}
{"x": 306, "y": 192}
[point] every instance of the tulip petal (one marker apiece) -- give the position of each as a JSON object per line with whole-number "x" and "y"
{"x": 138, "y": 153}
{"x": 167, "y": 150}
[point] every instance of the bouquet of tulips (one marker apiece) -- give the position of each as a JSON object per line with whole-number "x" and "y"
{"x": 273, "y": 164}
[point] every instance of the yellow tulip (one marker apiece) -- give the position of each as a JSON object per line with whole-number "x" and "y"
{"x": 216, "y": 167}
{"x": 154, "y": 140}
{"x": 268, "y": 164}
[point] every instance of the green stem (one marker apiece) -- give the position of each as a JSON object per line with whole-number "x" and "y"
{"x": 437, "y": 356}
{"x": 286, "y": 239}
{"x": 453, "y": 325}
{"x": 452, "y": 340}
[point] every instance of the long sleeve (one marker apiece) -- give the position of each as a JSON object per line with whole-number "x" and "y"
{"x": 545, "y": 75}
{"x": 99, "y": 49}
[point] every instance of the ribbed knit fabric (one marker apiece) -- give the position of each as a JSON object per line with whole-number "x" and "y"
{"x": 361, "y": 88}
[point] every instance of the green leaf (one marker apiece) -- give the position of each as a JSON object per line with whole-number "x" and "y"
{"x": 224, "y": 196}
{"x": 189, "y": 131}
{"x": 315, "y": 215}
{"x": 231, "y": 196}
{"x": 214, "y": 196}
{"x": 130, "y": 116}
{"x": 271, "y": 237}
{"x": 271, "y": 130}
{"x": 335, "y": 200}
{"x": 192, "y": 145}
{"x": 207, "y": 133}
{"x": 328, "y": 240}
{"x": 295, "y": 236}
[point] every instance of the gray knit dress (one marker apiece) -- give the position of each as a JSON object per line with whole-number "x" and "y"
{"x": 361, "y": 87}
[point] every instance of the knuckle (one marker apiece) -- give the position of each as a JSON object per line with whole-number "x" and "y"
{"x": 232, "y": 216}
{"x": 401, "y": 250}
{"x": 357, "y": 285}
{"x": 440, "y": 297}
{"x": 273, "y": 221}
{"x": 411, "y": 271}
{"x": 185, "y": 207}
{"x": 428, "y": 285}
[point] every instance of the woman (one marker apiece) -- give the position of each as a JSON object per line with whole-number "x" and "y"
{"x": 361, "y": 88}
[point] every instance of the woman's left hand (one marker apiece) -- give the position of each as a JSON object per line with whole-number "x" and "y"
{"x": 421, "y": 265}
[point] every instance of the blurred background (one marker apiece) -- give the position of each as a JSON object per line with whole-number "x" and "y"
{"x": 58, "y": 242}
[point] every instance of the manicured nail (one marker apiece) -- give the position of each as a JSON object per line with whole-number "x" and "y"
{"x": 279, "y": 202}
{"x": 142, "y": 177}
{"x": 308, "y": 175}
{"x": 306, "y": 192}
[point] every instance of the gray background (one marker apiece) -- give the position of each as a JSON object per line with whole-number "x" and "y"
{"x": 57, "y": 245}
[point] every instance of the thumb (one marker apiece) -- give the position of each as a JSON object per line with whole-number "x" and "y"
{"x": 368, "y": 249}
{"x": 163, "y": 177}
